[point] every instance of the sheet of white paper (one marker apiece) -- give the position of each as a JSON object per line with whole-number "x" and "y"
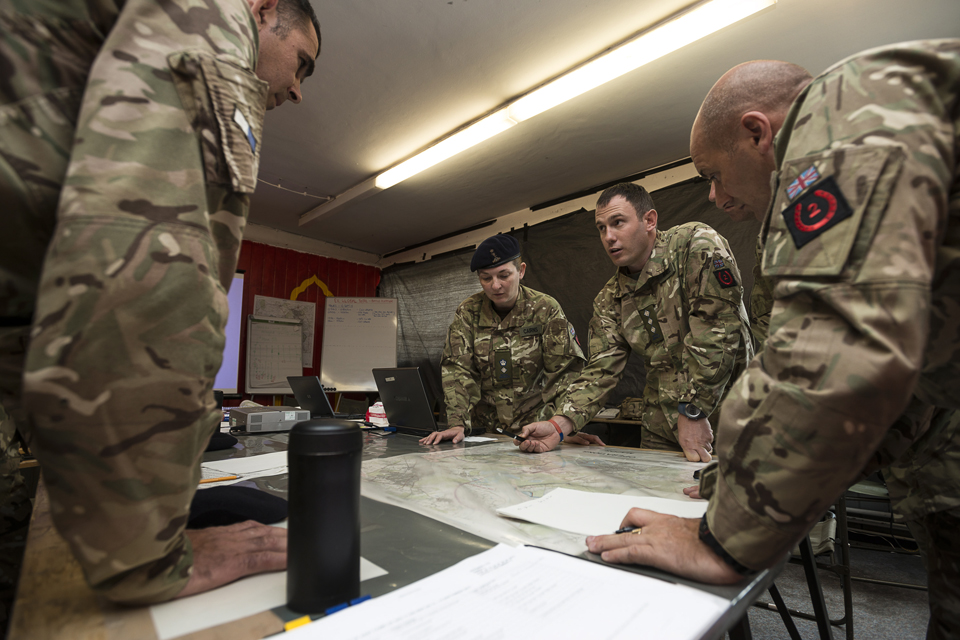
{"x": 247, "y": 468}
{"x": 231, "y": 602}
{"x": 526, "y": 593}
{"x": 478, "y": 439}
{"x": 593, "y": 514}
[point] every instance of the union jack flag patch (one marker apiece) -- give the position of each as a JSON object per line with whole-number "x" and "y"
{"x": 718, "y": 263}
{"x": 803, "y": 181}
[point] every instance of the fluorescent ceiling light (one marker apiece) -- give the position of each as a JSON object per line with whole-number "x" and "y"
{"x": 657, "y": 42}
{"x": 460, "y": 141}
{"x": 679, "y": 31}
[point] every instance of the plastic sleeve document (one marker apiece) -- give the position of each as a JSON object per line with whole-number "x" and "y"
{"x": 526, "y": 593}
{"x": 592, "y": 514}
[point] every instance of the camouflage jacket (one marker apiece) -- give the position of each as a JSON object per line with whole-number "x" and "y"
{"x": 507, "y": 372}
{"x": 143, "y": 120}
{"x": 684, "y": 314}
{"x": 761, "y": 302}
{"x": 862, "y": 245}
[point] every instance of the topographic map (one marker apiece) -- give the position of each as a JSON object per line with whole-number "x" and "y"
{"x": 464, "y": 487}
{"x": 305, "y": 312}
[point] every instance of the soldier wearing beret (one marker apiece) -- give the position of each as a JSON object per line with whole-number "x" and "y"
{"x": 509, "y": 351}
{"x": 676, "y": 300}
{"x": 861, "y": 230}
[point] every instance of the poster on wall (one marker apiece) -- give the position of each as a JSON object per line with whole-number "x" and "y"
{"x": 305, "y": 312}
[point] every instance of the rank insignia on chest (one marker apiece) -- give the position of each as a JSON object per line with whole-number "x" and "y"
{"x": 531, "y": 330}
{"x": 821, "y": 208}
{"x": 718, "y": 263}
{"x": 649, "y": 318}
{"x": 503, "y": 369}
{"x": 725, "y": 278}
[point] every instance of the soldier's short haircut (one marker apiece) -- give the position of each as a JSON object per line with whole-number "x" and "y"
{"x": 516, "y": 262}
{"x": 637, "y": 196}
{"x": 768, "y": 86}
{"x": 295, "y": 13}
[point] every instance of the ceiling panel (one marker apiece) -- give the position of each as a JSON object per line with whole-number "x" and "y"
{"x": 395, "y": 76}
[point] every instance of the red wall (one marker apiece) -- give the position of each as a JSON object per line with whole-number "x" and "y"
{"x": 276, "y": 272}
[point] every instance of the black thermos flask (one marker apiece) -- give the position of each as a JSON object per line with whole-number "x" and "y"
{"x": 323, "y": 543}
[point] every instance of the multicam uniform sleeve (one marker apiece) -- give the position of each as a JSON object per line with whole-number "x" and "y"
{"x": 609, "y": 352}
{"x": 716, "y": 318}
{"x": 459, "y": 374}
{"x": 853, "y": 253}
{"x": 562, "y": 361}
{"x": 129, "y": 325}
{"x": 761, "y": 301}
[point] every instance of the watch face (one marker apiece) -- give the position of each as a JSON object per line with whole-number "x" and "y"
{"x": 691, "y": 411}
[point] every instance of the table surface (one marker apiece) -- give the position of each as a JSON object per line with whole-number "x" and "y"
{"x": 53, "y": 600}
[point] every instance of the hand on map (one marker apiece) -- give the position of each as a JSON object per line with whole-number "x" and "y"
{"x": 584, "y": 438}
{"x": 539, "y": 437}
{"x": 224, "y": 554}
{"x": 693, "y": 492}
{"x": 453, "y": 433}
{"x": 695, "y": 438}
{"x": 665, "y": 542}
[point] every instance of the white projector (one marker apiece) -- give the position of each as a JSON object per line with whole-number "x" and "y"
{"x": 261, "y": 419}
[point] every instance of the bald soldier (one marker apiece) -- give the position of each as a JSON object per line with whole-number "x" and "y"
{"x": 510, "y": 350}
{"x": 676, "y": 300}
{"x": 130, "y": 142}
{"x": 861, "y": 229}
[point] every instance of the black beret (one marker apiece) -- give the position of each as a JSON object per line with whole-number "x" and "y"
{"x": 494, "y": 251}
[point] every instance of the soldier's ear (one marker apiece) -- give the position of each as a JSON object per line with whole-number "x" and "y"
{"x": 650, "y": 220}
{"x": 523, "y": 269}
{"x": 757, "y": 126}
{"x": 264, "y": 11}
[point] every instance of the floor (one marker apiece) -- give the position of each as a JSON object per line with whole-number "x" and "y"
{"x": 880, "y": 612}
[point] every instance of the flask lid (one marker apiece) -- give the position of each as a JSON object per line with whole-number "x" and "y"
{"x": 325, "y": 436}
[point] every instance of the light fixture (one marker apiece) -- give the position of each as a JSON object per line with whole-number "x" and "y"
{"x": 678, "y": 31}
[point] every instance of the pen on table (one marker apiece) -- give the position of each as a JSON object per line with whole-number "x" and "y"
{"x": 299, "y": 622}
{"x": 514, "y": 436}
{"x": 626, "y": 530}
{"x": 206, "y": 480}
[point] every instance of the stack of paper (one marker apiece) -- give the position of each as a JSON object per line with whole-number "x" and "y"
{"x": 526, "y": 593}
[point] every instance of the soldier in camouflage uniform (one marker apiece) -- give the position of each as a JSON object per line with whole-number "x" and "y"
{"x": 509, "y": 351}
{"x": 677, "y": 302}
{"x": 129, "y": 145}
{"x": 862, "y": 244}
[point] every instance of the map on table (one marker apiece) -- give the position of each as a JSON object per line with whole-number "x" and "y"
{"x": 464, "y": 487}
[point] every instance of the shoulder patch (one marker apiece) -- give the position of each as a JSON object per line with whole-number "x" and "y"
{"x": 725, "y": 278}
{"x": 820, "y": 209}
{"x": 803, "y": 181}
{"x": 718, "y": 263}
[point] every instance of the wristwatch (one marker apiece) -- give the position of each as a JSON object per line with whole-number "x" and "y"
{"x": 690, "y": 410}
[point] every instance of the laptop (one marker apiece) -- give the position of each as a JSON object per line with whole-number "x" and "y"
{"x": 405, "y": 400}
{"x": 310, "y": 396}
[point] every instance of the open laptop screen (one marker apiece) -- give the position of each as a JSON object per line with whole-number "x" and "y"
{"x": 405, "y": 400}
{"x": 310, "y": 396}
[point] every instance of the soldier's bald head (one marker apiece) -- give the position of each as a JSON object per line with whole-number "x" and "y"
{"x": 768, "y": 86}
